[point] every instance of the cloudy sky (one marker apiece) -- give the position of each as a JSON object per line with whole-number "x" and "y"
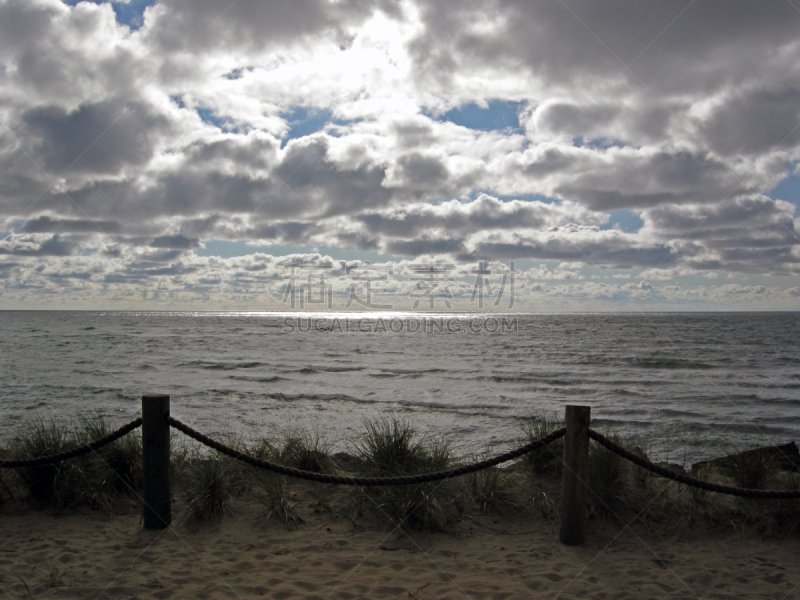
{"x": 518, "y": 155}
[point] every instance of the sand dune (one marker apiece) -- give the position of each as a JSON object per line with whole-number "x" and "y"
{"x": 92, "y": 556}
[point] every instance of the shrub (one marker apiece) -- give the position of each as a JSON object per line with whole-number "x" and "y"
{"x": 123, "y": 456}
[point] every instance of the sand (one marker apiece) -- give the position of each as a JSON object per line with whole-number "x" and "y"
{"x": 94, "y": 556}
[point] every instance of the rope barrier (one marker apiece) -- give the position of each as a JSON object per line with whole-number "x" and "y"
{"x": 368, "y": 481}
{"x": 406, "y": 479}
{"x": 85, "y": 449}
{"x": 691, "y": 481}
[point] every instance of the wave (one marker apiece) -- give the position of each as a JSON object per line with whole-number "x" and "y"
{"x": 224, "y": 366}
{"x": 257, "y": 379}
{"x": 326, "y": 397}
{"x": 412, "y": 371}
{"x": 667, "y": 363}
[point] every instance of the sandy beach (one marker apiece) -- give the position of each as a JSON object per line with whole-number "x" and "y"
{"x": 90, "y": 555}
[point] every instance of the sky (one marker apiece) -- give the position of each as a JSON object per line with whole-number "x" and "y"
{"x": 378, "y": 155}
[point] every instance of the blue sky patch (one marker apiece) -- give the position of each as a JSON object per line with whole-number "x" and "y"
{"x": 627, "y": 220}
{"x": 788, "y": 189}
{"x": 237, "y": 73}
{"x": 499, "y": 115}
{"x": 304, "y": 121}
{"x": 209, "y": 116}
{"x": 524, "y": 197}
{"x": 130, "y": 14}
{"x": 600, "y": 143}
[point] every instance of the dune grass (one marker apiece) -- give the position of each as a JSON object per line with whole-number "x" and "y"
{"x": 391, "y": 446}
{"x": 97, "y": 479}
{"x": 208, "y": 490}
{"x": 549, "y": 458}
{"x": 493, "y": 492}
{"x": 209, "y": 483}
{"x": 307, "y": 451}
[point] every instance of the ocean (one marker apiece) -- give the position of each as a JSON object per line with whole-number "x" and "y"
{"x": 690, "y": 385}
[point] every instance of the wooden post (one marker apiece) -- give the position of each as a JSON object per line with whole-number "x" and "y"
{"x": 155, "y": 461}
{"x": 573, "y": 479}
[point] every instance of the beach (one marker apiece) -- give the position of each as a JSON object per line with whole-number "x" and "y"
{"x": 92, "y": 555}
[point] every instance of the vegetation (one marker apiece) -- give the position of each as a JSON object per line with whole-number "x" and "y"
{"x": 208, "y": 490}
{"x": 209, "y": 484}
{"x": 97, "y": 479}
{"x": 549, "y": 458}
{"x": 492, "y": 492}
{"x": 609, "y": 484}
{"x": 307, "y": 452}
{"x": 391, "y": 447}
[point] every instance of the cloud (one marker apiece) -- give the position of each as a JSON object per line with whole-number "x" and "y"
{"x": 126, "y": 153}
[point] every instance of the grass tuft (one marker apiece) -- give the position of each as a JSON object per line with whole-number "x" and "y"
{"x": 391, "y": 447}
{"x": 95, "y": 480}
{"x": 307, "y": 451}
{"x": 276, "y": 502}
{"x": 608, "y": 484}
{"x": 547, "y": 459}
{"x": 491, "y": 492}
{"x": 750, "y": 468}
{"x": 207, "y": 490}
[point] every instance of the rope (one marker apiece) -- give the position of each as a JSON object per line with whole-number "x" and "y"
{"x": 681, "y": 478}
{"x": 370, "y": 481}
{"x": 86, "y": 448}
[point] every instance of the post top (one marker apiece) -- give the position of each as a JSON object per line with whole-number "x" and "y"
{"x": 155, "y": 397}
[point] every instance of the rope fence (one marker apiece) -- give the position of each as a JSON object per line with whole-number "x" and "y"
{"x": 156, "y": 423}
{"x": 367, "y": 481}
{"x": 691, "y": 481}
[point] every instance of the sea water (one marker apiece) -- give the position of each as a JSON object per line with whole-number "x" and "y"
{"x": 690, "y": 385}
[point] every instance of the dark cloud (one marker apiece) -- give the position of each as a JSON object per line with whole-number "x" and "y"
{"x": 755, "y": 121}
{"x": 746, "y": 222}
{"x": 313, "y": 184}
{"x": 485, "y": 213}
{"x": 251, "y": 26}
{"x": 46, "y": 224}
{"x": 640, "y": 180}
{"x": 22, "y": 245}
{"x": 419, "y": 171}
{"x": 413, "y": 134}
{"x": 568, "y": 41}
{"x": 562, "y": 117}
{"x": 97, "y": 138}
{"x": 424, "y": 245}
{"x": 618, "y": 255}
{"x": 174, "y": 241}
